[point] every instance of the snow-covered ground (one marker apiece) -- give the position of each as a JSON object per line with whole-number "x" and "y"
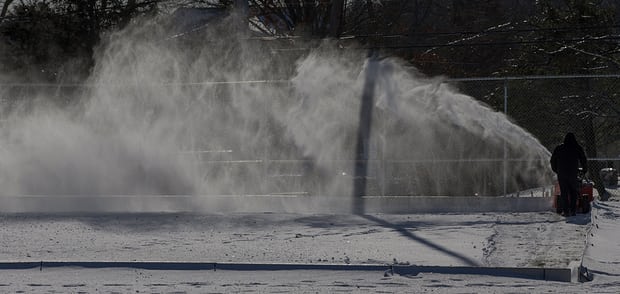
{"x": 531, "y": 239}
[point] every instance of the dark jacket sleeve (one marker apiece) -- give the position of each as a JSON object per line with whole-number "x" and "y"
{"x": 554, "y": 160}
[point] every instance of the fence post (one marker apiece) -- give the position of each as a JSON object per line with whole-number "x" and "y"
{"x": 505, "y": 150}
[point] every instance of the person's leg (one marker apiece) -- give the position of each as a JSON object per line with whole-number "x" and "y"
{"x": 564, "y": 196}
{"x": 573, "y": 195}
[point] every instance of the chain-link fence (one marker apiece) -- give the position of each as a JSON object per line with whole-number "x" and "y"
{"x": 244, "y": 147}
{"x": 550, "y": 106}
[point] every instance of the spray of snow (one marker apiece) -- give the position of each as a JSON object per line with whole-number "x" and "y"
{"x": 162, "y": 116}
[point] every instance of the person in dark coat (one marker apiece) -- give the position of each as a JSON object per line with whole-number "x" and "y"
{"x": 565, "y": 161}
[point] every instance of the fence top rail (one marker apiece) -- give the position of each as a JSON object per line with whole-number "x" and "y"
{"x": 86, "y": 85}
{"x": 284, "y": 81}
{"x": 536, "y": 77}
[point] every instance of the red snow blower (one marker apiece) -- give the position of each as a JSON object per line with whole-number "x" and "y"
{"x": 586, "y": 195}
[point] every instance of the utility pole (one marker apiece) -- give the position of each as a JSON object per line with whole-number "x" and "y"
{"x": 335, "y": 19}
{"x": 363, "y": 134}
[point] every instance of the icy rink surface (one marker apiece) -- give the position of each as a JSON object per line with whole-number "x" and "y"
{"x": 541, "y": 239}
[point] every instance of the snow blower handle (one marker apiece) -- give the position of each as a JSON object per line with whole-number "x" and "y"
{"x": 582, "y": 177}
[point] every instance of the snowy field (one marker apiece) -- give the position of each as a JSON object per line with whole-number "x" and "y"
{"x": 448, "y": 242}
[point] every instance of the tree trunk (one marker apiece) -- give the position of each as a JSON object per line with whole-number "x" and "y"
{"x": 128, "y": 12}
{"x": 336, "y": 18}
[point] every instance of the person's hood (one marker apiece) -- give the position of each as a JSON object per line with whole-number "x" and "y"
{"x": 570, "y": 139}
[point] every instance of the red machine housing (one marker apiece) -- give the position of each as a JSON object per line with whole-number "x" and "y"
{"x": 586, "y": 195}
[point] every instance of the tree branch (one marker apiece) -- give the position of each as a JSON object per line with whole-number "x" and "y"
{"x": 588, "y": 112}
{"x": 616, "y": 62}
{"x": 5, "y": 9}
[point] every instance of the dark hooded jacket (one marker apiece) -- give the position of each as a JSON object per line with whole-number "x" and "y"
{"x": 567, "y": 158}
